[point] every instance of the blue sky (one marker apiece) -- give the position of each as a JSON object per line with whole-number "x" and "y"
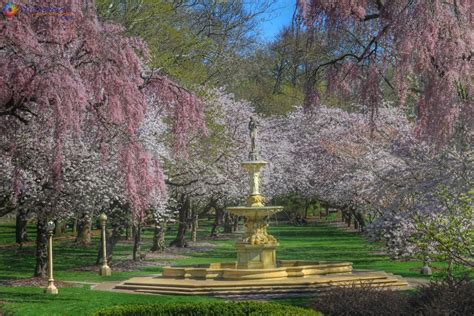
{"x": 279, "y": 15}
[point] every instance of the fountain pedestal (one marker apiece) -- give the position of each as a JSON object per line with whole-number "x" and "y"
{"x": 257, "y": 249}
{"x": 255, "y": 256}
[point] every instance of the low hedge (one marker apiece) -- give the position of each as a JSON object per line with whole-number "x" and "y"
{"x": 207, "y": 309}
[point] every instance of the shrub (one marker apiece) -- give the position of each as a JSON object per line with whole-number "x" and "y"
{"x": 207, "y": 309}
{"x": 364, "y": 300}
{"x": 448, "y": 297}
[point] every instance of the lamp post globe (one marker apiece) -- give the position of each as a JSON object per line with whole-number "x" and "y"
{"x": 102, "y": 218}
{"x": 50, "y": 227}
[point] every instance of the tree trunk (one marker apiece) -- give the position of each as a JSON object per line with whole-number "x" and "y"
{"x": 179, "y": 240}
{"x": 194, "y": 227}
{"x": 41, "y": 247}
{"x": 112, "y": 240}
{"x": 159, "y": 237}
{"x": 74, "y": 227}
{"x": 128, "y": 228}
{"x": 59, "y": 228}
{"x": 127, "y": 232}
{"x": 183, "y": 223}
{"x": 217, "y": 222}
{"x": 137, "y": 236}
{"x": 84, "y": 230}
{"x": 228, "y": 224}
{"x": 214, "y": 229}
{"x": 236, "y": 224}
{"x": 359, "y": 218}
{"x": 20, "y": 227}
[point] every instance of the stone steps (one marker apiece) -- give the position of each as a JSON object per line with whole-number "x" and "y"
{"x": 265, "y": 290}
{"x": 273, "y": 287}
{"x": 280, "y": 282}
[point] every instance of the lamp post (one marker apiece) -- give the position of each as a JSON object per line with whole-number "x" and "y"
{"x": 104, "y": 269}
{"x": 51, "y": 288}
{"x": 426, "y": 270}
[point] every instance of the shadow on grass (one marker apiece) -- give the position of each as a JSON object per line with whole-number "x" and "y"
{"x": 39, "y": 298}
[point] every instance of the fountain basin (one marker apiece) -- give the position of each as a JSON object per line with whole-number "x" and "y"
{"x": 254, "y": 164}
{"x": 229, "y": 271}
{"x": 256, "y": 213}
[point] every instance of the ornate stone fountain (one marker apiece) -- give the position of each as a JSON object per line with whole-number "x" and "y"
{"x": 257, "y": 269}
{"x": 257, "y": 249}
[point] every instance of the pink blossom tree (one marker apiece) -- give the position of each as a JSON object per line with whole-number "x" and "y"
{"x": 420, "y": 50}
{"x": 379, "y": 174}
{"x": 82, "y": 80}
{"x": 420, "y": 194}
{"x": 211, "y": 176}
{"x": 324, "y": 154}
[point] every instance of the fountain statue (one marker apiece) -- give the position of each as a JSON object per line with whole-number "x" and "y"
{"x": 253, "y": 139}
{"x": 257, "y": 270}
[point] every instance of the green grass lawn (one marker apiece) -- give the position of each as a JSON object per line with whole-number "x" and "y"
{"x": 7, "y": 233}
{"x": 18, "y": 263}
{"x": 319, "y": 242}
{"x": 74, "y": 301}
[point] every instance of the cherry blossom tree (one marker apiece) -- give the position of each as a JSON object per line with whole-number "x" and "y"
{"x": 322, "y": 147}
{"x": 380, "y": 174}
{"x": 423, "y": 191}
{"x": 89, "y": 182}
{"x": 84, "y": 73}
{"x": 321, "y": 154}
{"x": 81, "y": 83}
{"x": 420, "y": 50}
{"x": 211, "y": 176}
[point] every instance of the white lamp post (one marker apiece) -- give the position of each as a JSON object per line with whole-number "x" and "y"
{"x": 104, "y": 269}
{"x": 426, "y": 270}
{"x": 51, "y": 288}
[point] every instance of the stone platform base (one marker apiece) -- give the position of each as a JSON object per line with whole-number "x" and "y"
{"x": 231, "y": 271}
{"x": 278, "y": 281}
